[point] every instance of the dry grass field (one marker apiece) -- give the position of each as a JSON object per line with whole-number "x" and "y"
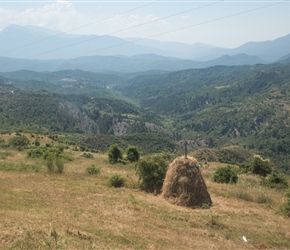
{"x": 76, "y": 210}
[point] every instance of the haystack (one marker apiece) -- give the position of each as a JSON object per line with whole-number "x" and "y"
{"x": 184, "y": 184}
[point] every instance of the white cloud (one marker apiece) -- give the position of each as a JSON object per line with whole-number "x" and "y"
{"x": 60, "y": 15}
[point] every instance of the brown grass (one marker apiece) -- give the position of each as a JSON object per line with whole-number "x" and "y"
{"x": 79, "y": 211}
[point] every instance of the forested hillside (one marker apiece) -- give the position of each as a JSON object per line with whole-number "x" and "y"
{"x": 245, "y": 106}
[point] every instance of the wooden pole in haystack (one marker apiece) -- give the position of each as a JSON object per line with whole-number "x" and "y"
{"x": 185, "y": 149}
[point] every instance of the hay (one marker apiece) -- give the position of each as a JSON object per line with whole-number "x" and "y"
{"x": 184, "y": 184}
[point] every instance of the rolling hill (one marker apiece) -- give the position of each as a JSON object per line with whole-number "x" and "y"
{"x": 246, "y": 106}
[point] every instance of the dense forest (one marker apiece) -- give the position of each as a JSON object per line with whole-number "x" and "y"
{"x": 244, "y": 106}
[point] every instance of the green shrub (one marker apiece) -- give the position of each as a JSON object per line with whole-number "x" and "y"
{"x": 225, "y": 175}
{"x": 35, "y": 153}
{"x": 116, "y": 181}
{"x": 86, "y": 155}
{"x": 151, "y": 171}
{"x": 114, "y": 154}
{"x": 93, "y": 170}
{"x": 37, "y": 142}
{"x": 54, "y": 160}
{"x": 275, "y": 180}
{"x": 133, "y": 154}
{"x": 245, "y": 168}
{"x": 260, "y": 166}
{"x": 18, "y": 142}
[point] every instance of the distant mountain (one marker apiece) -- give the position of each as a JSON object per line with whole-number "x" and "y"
{"x": 40, "y": 43}
{"x": 235, "y": 60}
{"x": 284, "y": 59}
{"x": 268, "y": 51}
{"x": 32, "y": 42}
{"x": 176, "y": 49}
{"x": 138, "y": 63}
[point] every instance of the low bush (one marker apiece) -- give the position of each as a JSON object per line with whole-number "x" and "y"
{"x": 116, "y": 181}
{"x": 93, "y": 169}
{"x": 18, "y": 142}
{"x": 275, "y": 180}
{"x": 225, "y": 175}
{"x": 86, "y": 155}
{"x": 151, "y": 171}
{"x": 35, "y": 153}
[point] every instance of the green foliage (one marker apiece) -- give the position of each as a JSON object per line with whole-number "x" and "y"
{"x": 245, "y": 168}
{"x": 18, "y": 142}
{"x": 93, "y": 169}
{"x": 148, "y": 143}
{"x": 116, "y": 181}
{"x": 225, "y": 174}
{"x": 275, "y": 180}
{"x": 132, "y": 154}
{"x": 114, "y": 154}
{"x": 86, "y": 155}
{"x": 54, "y": 159}
{"x": 37, "y": 142}
{"x": 260, "y": 166}
{"x": 35, "y": 153}
{"x": 151, "y": 171}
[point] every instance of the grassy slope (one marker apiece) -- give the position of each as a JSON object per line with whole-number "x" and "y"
{"x": 78, "y": 211}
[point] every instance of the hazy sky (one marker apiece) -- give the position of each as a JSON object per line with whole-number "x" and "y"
{"x": 220, "y": 23}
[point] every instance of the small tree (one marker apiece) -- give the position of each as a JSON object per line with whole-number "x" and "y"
{"x": 114, "y": 154}
{"x": 132, "y": 154}
{"x": 151, "y": 171}
{"x": 260, "y": 166}
{"x": 225, "y": 175}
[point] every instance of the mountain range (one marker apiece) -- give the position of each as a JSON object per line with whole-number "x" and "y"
{"x": 37, "y": 48}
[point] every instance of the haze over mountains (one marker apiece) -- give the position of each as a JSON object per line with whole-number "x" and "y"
{"x": 40, "y": 49}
